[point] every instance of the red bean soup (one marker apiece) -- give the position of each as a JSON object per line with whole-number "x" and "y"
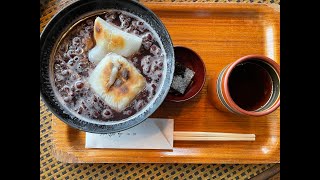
{"x": 72, "y": 67}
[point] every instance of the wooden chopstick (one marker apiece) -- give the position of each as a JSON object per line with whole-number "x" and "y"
{"x": 211, "y": 136}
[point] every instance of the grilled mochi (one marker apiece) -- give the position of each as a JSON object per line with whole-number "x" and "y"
{"x": 116, "y": 81}
{"x": 108, "y": 38}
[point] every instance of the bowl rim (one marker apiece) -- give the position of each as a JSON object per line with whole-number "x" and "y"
{"x": 90, "y": 126}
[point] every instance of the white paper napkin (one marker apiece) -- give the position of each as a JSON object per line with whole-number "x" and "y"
{"x": 153, "y": 133}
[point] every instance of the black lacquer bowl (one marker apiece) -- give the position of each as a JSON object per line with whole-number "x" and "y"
{"x": 64, "y": 20}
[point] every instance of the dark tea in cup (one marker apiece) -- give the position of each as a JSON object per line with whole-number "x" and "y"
{"x": 248, "y": 86}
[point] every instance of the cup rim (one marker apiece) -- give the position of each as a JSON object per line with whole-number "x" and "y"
{"x": 268, "y": 60}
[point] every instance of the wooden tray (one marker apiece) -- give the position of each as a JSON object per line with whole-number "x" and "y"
{"x": 220, "y": 34}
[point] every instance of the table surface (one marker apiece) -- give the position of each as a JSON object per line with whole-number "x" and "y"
{"x": 50, "y": 168}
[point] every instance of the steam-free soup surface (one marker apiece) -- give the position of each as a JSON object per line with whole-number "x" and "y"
{"x": 72, "y": 67}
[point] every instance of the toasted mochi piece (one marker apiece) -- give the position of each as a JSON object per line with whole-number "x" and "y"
{"x": 116, "y": 81}
{"x": 111, "y": 39}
